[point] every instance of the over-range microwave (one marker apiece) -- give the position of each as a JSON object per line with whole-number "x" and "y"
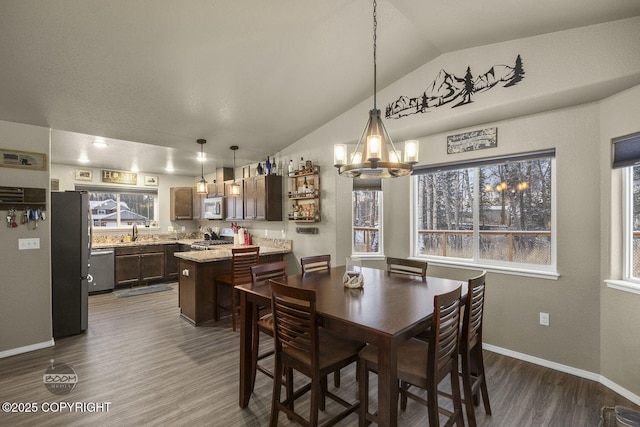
{"x": 214, "y": 208}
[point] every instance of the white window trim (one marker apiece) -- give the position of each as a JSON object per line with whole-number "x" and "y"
{"x": 380, "y": 253}
{"x": 529, "y": 270}
{"x": 628, "y": 283}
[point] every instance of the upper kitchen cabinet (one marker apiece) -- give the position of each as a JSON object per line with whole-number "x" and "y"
{"x": 235, "y": 204}
{"x": 218, "y": 188}
{"x": 263, "y": 198}
{"x": 181, "y": 203}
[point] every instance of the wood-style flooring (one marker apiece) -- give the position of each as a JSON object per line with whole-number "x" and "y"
{"x": 156, "y": 369}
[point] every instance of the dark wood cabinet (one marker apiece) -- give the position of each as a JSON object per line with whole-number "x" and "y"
{"x": 263, "y": 198}
{"x": 181, "y": 203}
{"x": 171, "y": 263}
{"x": 235, "y": 204}
{"x": 139, "y": 264}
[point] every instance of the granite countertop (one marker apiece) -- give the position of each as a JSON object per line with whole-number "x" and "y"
{"x": 223, "y": 252}
{"x": 143, "y": 243}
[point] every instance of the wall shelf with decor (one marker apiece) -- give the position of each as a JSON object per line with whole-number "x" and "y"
{"x": 20, "y": 198}
{"x": 304, "y": 195}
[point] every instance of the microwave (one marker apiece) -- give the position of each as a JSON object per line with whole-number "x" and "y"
{"x": 214, "y": 208}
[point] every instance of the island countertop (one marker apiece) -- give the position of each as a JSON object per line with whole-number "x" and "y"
{"x": 223, "y": 252}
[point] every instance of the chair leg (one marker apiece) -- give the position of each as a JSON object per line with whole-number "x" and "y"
{"x": 233, "y": 308}
{"x": 468, "y": 389}
{"x": 317, "y": 398}
{"x": 404, "y": 386}
{"x": 457, "y": 399}
{"x": 276, "y": 393}
{"x": 323, "y": 393}
{"x": 254, "y": 347}
{"x": 363, "y": 392}
{"x": 483, "y": 382}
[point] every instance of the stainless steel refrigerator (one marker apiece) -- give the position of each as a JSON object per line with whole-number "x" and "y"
{"x": 70, "y": 250}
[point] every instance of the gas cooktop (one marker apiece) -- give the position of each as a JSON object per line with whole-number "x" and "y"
{"x": 205, "y": 244}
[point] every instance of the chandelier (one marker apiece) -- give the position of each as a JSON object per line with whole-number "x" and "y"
{"x": 201, "y": 185}
{"x": 375, "y": 155}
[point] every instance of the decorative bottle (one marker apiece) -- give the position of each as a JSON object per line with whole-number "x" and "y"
{"x": 301, "y": 165}
{"x": 306, "y": 186}
{"x": 267, "y": 166}
{"x": 259, "y": 169}
{"x": 291, "y": 167}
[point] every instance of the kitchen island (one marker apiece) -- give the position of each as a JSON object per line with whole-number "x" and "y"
{"x": 198, "y": 271}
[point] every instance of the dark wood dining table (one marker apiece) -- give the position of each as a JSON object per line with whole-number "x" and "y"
{"x": 386, "y": 311}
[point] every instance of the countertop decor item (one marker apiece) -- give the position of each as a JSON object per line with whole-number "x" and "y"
{"x": 375, "y": 155}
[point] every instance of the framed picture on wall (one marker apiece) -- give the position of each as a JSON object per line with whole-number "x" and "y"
{"x": 84, "y": 174}
{"x": 150, "y": 181}
{"x": 23, "y": 160}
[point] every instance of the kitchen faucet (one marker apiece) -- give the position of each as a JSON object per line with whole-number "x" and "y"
{"x": 134, "y": 233}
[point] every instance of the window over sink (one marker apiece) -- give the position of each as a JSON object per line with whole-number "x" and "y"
{"x": 113, "y": 207}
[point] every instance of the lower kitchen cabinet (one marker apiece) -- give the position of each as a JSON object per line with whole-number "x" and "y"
{"x": 171, "y": 264}
{"x": 139, "y": 264}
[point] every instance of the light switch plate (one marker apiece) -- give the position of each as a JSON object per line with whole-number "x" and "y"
{"x": 26, "y": 244}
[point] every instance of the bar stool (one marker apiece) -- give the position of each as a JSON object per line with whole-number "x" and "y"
{"x": 241, "y": 261}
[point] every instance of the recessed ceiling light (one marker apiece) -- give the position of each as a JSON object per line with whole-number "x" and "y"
{"x": 83, "y": 160}
{"x": 99, "y": 142}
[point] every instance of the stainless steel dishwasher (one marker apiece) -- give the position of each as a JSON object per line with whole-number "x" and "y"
{"x": 101, "y": 270}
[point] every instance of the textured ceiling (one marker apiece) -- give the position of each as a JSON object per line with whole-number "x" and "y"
{"x": 258, "y": 74}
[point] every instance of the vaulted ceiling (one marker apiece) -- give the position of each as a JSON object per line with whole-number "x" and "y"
{"x": 153, "y": 76}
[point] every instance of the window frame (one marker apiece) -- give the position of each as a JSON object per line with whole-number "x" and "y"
{"x": 380, "y": 252}
{"x": 530, "y": 270}
{"x": 124, "y": 190}
{"x": 627, "y": 226}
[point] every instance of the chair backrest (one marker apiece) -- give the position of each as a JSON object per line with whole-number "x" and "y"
{"x": 473, "y": 312}
{"x": 315, "y": 263}
{"x": 268, "y": 270}
{"x": 407, "y": 266}
{"x": 295, "y": 324}
{"x": 442, "y": 356}
{"x": 241, "y": 261}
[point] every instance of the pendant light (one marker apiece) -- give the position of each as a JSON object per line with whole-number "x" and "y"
{"x": 234, "y": 189}
{"x": 375, "y": 155}
{"x": 201, "y": 185}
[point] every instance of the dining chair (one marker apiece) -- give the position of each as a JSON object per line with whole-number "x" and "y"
{"x": 301, "y": 345}
{"x": 261, "y": 273}
{"x": 315, "y": 263}
{"x": 472, "y": 362}
{"x": 407, "y": 266}
{"x": 423, "y": 364}
{"x": 241, "y": 261}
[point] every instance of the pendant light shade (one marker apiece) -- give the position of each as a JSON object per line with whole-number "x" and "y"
{"x": 234, "y": 189}
{"x": 201, "y": 185}
{"x": 375, "y": 155}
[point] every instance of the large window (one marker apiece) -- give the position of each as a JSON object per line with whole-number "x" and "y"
{"x": 115, "y": 207}
{"x": 632, "y": 223}
{"x": 491, "y": 212}
{"x": 367, "y": 222}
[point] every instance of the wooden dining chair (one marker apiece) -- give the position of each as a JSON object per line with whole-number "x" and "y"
{"x": 407, "y": 266}
{"x": 301, "y": 345}
{"x": 315, "y": 263}
{"x": 262, "y": 322}
{"x": 423, "y": 364}
{"x": 241, "y": 261}
{"x": 472, "y": 362}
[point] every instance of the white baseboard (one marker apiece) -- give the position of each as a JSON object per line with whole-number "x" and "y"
{"x": 566, "y": 369}
{"x": 27, "y": 348}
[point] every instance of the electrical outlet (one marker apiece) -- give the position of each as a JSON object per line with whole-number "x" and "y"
{"x": 25, "y": 244}
{"x": 544, "y": 319}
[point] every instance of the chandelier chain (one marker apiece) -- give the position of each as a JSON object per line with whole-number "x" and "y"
{"x": 375, "y": 28}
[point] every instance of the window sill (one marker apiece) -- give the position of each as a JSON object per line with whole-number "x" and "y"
{"x": 538, "y": 274}
{"x": 623, "y": 285}
{"x": 369, "y": 257}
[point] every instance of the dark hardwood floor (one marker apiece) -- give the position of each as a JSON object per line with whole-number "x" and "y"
{"x": 156, "y": 369}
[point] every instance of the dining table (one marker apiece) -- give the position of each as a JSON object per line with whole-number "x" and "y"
{"x": 388, "y": 310}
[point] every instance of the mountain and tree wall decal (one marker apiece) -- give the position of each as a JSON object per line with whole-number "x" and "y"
{"x": 448, "y": 88}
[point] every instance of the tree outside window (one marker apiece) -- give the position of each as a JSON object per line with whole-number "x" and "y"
{"x": 494, "y": 213}
{"x": 367, "y": 222}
